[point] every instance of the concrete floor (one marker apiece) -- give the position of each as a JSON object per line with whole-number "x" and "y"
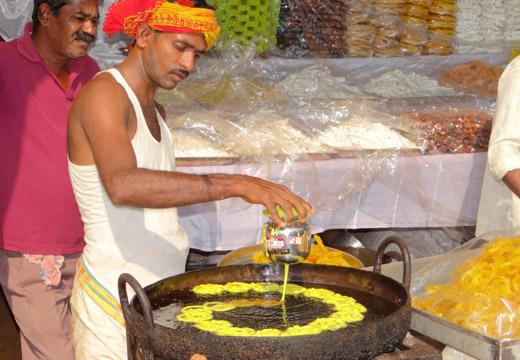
{"x": 9, "y": 337}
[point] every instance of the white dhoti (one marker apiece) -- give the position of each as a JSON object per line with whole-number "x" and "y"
{"x": 97, "y": 320}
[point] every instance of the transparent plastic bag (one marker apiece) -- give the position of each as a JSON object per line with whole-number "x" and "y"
{"x": 474, "y": 77}
{"x": 486, "y": 26}
{"x": 451, "y": 131}
{"x": 386, "y": 18}
{"x": 360, "y": 32}
{"x": 323, "y": 26}
{"x": 475, "y": 285}
{"x": 354, "y": 126}
{"x": 289, "y": 36}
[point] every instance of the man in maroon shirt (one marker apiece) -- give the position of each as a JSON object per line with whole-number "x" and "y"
{"x": 41, "y": 233}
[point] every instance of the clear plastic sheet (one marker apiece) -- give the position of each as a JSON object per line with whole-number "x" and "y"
{"x": 240, "y": 84}
{"x": 267, "y": 117}
{"x": 302, "y": 111}
{"x": 294, "y": 121}
{"x": 475, "y": 285}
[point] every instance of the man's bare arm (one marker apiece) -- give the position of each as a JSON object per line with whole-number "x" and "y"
{"x": 512, "y": 180}
{"x": 108, "y": 143}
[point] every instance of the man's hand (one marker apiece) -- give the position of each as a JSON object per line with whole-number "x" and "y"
{"x": 258, "y": 191}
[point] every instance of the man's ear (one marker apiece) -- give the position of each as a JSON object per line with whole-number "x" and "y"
{"x": 44, "y": 13}
{"x": 143, "y": 36}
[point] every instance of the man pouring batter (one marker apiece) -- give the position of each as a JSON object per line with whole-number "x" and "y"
{"x": 122, "y": 168}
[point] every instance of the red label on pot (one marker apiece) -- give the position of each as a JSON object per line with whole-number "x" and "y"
{"x": 275, "y": 243}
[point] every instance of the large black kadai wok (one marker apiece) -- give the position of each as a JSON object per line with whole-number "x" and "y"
{"x": 365, "y": 340}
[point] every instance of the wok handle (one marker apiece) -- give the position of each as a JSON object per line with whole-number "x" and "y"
{"x": 124, "y": 279}
{"x": 407, "y": 266}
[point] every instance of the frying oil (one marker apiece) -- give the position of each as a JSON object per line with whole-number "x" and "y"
{"x": 295, "y": 310}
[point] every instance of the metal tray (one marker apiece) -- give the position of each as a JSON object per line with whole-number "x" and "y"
{"x": 245, "y": 256}
{"x": 463, "y": 339}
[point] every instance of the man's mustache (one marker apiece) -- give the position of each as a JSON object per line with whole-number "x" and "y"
{"x": 183, "y": 72}
{"x": 84, "y": 37}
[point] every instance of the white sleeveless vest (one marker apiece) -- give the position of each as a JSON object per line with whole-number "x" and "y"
{"x": 149, "y": 244}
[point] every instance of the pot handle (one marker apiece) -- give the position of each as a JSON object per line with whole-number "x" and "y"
{"x": 124, "y": 279}
{"x": 407, "y": 266}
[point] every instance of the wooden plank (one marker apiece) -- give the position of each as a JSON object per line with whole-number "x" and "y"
{"x": 380, "y": 152}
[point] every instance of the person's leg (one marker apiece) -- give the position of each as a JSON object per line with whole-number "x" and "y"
{"x": 42, "y": 312}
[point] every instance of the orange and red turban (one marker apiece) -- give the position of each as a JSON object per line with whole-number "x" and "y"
{"x": 179, "y": 17}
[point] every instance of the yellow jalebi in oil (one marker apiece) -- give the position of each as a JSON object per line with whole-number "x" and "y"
{"x": 346, "y": 310}
{"x": 348, "y": 315}
{"x": 484, "y": 295}
{"x": 319, "y": 293}
{"x": 213, "y": 325}
{"x": 338, "y": 299}
{"x": 195, "y": 314}
{"x": 237, "y": 287}
{"x": 208, "y": 289}
{"x": 219, "y": 306}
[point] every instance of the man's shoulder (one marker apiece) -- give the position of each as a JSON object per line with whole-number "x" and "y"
{"x": 12, "y": 44}
{"x": 9, "y": 50}
{"x": 104, "y": 78}
{"x": 102, "y": 87}
{"x": 11, "y": 60}
{"x": 512, "y": 67}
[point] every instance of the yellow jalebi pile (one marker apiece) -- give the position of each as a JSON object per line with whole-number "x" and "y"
{"x": 485, "y": 293}
{"x": 346, "y": 310}
{"x": 319, "y": 254}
